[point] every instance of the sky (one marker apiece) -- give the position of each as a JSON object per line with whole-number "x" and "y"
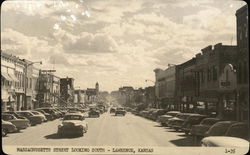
{"x": 115, "y": 42}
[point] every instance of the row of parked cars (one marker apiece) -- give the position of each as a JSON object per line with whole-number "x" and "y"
{"x": 204, "y": 129}
{"x": 14, "y": 121}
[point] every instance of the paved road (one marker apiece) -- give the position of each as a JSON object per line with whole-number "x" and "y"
{"x": 108, "y": 130}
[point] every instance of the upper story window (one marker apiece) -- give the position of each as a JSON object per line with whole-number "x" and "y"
{"x": 214, "y": 73}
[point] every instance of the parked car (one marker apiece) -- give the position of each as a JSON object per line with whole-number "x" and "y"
{"x": 203, "y": 127}
{"x": 73, "y": 124}
{"x": 50, "y": 111}
{"x": 219, "y": 128}
{"x": 7, "y": 127}
{"x": 120, "y": 111}
{"x": 149, "y": 113}
{"x": 240, "y": 130}
{"x": 164, "y": 118}
{"x": 224, "y": 141}
{"x": 19, "y": 123}
{"x": 94, "y": 113}
{"x": 190, "y": 121}
{"x": 61, "y": 114}
{"x": 15, "y": 114}
{"x": 37, "y": 113}
{"x": 112, "y": 110}
{"x": 177, "y": 121}
{"x": 31, "y": 117}
{"x": 48, "y": 116}
{"x": 156, "y": 113}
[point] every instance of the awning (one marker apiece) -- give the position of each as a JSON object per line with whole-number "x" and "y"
{"x": 12, "y": 74}
{"x": 4, "y": 95}
{"x": 5, "y": 74}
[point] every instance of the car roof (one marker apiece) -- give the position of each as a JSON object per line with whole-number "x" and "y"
{"x": 224, "y": 141}
{"x": 78, "y": 114}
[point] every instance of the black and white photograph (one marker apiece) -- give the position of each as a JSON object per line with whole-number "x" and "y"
{"x": 124, "y": 76}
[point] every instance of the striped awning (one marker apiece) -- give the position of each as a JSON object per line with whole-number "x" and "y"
{"x": 4, "y": 95}
{"x": 5, "y": 74}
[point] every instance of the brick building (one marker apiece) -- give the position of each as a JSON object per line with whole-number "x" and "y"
{"x": 209, "y": 67}
{"x": 186, "y": 93}
{"x": 242, "y": 63}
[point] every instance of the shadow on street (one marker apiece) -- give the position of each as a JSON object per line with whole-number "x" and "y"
{"x": 56, "y": 136}
{"x": 187, "y": 141}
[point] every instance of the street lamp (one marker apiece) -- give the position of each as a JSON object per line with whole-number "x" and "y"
{"x": 26, "y": 81}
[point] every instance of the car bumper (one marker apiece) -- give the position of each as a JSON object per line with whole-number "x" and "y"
{"x": 70, "y": 130}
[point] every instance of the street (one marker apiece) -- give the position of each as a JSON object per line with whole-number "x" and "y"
{"x": 108, "y": 130}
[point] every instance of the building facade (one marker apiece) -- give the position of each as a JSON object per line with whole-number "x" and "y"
{"x": 209, "y": 67}
{"x": 242, "y": 66}
{"x": 67, "y": 91}
{"x": 165, "y": 87}
{"x": 48, "y": 90}
{"x": 185, "y": 86}
{"x": 12, "y": 82}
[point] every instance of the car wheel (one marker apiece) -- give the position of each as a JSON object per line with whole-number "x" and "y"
{"x": 4, "y": 132}
{"x": 186, "y": 132}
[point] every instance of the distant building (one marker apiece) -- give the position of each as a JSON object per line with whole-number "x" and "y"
{"x": 67, "y": 91}
{"x": 92, "y": 94}
{"x": 48, "y": 90}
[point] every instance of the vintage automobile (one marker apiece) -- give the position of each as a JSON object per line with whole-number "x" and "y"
{"x": 112, "y": 110}
{"x": 15, "y": 114}
{"x": 240, "y": 130}
{"x": 190, "y": 121}
{"x": 203, "y": 127}
{"x": 164, "y": 118}
{"x": 177, "y": 121}
{"x": 31, "y": 117}
{"x": 94, "y": 113}
{"x": 60, "y": 113}
{"x": 120, "y": 111}
{"x": 73, "y": 123}
{"x": 48, "y": 116}
{"x": 219, "y": 128}
{"x": 224, "y": 141}
{"x": 7, "y": 127}
{"x": 50, "y": 111}
{"x": 37, "y": 113}
{"x": 156, "y": 113}
{"x": 19, "y": 123}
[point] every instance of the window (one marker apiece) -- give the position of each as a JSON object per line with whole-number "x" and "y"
{"x": 239, "y": 73}
{"x": 30, "y": 83}
{"x": 245, "y": 72}
{"x": 226, "y": 75}
{"x": 202, "y": 76}
{"x": 208, "y": 74}
{"x": 214, "y": 73}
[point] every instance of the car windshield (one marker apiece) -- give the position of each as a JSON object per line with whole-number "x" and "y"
{"x": 172, "y": 114}
{"x": 219, "y": 129}
{"x": 7, "y": 117}
{"x": 73, "y": 117}
{"x": 36, "y": 113}
{"x": 182, "y": 116}
{"x": 42, "y": 111}
{"x": 194, "y": 118}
